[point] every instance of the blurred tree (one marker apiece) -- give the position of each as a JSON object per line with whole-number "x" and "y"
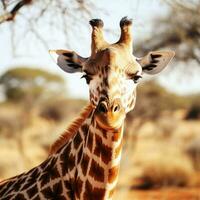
{"x": 179, "y": 30}
{"x": 153, "y": 99}
{"x": 30, "y": 84}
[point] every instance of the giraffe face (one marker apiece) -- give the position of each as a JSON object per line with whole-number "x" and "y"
{"x": 112, "y": 72}
{"x": 113, "y": 75}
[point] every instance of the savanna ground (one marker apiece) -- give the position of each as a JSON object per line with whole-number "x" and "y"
{"x": 161, "y": 144}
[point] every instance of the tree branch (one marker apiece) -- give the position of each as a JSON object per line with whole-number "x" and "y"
{"x": 9, "y": 16}
{"x": 4, "y": 4}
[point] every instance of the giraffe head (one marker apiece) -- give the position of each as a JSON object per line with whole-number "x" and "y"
{"x": 112, "y": 72}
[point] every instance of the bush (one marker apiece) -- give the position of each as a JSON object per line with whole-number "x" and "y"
{"x": 193, "y": 113}
{"x": 193, "y": 150}
{"x": 158, "y": 164}
{"x": 59, "y": 109}
{"x": 153, "y": 99}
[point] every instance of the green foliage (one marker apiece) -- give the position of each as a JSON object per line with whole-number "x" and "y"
{"x": 28, "y": 83}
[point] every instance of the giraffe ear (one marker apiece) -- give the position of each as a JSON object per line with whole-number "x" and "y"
{"x": 155, "y": 61}
{"x": 69, "y": 61}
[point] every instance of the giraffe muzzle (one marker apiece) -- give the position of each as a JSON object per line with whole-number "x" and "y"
{"x": 104, "y": 106}
{"x": 110, "y": 115}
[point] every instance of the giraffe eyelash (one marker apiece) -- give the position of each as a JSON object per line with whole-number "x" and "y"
{"x": 87, "y": 77}
{"x": 134, "y": 77}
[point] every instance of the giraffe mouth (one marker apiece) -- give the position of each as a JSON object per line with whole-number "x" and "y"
{"x": 109, "y": 120}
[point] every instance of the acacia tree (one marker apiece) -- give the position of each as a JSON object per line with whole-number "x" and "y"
{"x": 29, "y": 84}
{"x": 179, "y": 30}
{"x": 42, "y": 21}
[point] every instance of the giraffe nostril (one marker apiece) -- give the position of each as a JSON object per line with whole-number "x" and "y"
{"x": 116, "y": 108}
{"x": 103, "y": 107}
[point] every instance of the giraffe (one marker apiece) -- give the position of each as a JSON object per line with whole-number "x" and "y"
{"x": 84, "y": 162}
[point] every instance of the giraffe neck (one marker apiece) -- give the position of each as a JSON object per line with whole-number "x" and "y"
{"x": 91, "y": 161}
{"x": 93, "y": 158}
{"x": 99, "y": 168}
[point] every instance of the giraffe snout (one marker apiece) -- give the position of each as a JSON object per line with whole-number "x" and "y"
{"x": 104, "y": 106}
{"x": 110, "y": 115}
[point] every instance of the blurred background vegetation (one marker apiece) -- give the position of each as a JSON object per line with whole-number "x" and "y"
{"x": 161, "y": 158}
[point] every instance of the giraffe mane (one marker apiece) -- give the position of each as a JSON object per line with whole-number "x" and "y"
{"x": 71, "y": 130}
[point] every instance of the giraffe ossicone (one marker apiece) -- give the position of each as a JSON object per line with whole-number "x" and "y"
{"x": 84, "y": 162}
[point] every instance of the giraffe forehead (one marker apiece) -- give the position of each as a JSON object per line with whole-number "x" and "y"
{"x": 115, "y": 57}
{"x": 118, "y": 73}
{"x": 117, "y": 69}
{"x": 110, "y": 71}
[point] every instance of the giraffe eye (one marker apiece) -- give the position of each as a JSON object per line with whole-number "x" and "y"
{"x": 136, "y": 78}
{"x": 87, "y": 77}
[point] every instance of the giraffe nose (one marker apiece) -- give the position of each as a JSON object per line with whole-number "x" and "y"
{"x": 115, "y": 108}
{"x": 104, "y": 106}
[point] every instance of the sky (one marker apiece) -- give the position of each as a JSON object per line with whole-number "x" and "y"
{"x": 143, "y": 14}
